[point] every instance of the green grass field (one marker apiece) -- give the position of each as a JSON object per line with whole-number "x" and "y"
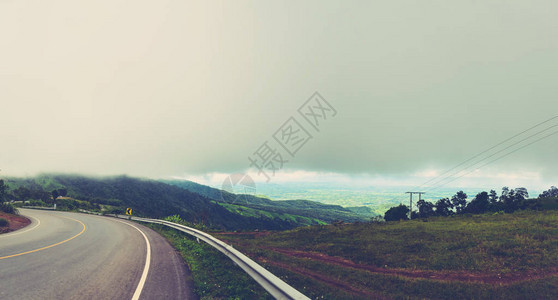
{"x": 466, "y": 257}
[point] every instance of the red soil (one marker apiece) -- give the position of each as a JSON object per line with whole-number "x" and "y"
{"x": 463, "y": 276}
{"x": 328, "y": 280}
{"x": 15, "y": 222}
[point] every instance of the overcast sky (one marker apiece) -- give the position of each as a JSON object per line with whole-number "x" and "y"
{"x": 187, "y": 88}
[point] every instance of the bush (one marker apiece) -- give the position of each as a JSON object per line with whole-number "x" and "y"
{"x": 8, "y": 208}
{"x": 3, "y": 222}
{"x": 397, "y": 213}
{"x": 114, "y": 211}
{"x": 37, "y": 203}
{"x": 176, "y": 219}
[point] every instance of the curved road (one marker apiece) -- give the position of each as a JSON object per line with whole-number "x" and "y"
{"x": 64, "y": 255}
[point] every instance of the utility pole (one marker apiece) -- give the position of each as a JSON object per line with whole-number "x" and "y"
{"x": 411, "y": 201}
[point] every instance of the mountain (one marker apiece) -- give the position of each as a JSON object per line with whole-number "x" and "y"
{"x": 151, "y": 198}
{"x": 312, "y": 209}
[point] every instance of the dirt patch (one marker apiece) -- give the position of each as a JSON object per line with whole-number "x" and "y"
{"x": 253, "y": 234}
{"x": 463, "y": 276}
{"x": 328, "y": 280}
{"x": 15, "y": 222}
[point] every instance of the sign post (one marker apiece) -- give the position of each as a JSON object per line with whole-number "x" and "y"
{"x": 129, "y": 213}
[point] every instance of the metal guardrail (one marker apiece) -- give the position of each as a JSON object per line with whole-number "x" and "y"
{"x": 39, "y": 207}
{"x": 271, "y": 283}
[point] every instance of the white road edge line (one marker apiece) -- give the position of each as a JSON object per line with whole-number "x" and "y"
{"x": 143, "y": 278}
{"x": 23, "y": 231}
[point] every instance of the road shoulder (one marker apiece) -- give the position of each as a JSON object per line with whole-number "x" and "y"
{"x": 169, "y": 276}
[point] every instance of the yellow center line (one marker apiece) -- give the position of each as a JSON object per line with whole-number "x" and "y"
{"x": 50, "y": 246}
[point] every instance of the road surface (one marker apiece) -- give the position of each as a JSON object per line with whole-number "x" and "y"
{"x": 63, "y": 255}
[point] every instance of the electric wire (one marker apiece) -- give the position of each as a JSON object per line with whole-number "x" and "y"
{"x": 492, "y": 155}
{"x": 498, "y": 158}
{"x": 487, "y": 150}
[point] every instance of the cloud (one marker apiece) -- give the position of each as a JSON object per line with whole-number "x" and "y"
{"x": 173, "y": 87}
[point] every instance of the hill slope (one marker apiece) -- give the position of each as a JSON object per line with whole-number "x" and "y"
{"x": 157, "y": 199}
{"x": 500, "y": 256}
{"x": 312, "y": 209}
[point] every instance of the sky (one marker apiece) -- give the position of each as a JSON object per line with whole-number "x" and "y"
{"x": 192, "y": 89}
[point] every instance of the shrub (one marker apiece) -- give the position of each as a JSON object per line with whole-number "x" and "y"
{"x": 37, "y": 203}
{"x": 3, "y": 222}
{"x": 8, "y": 208}
{"x": 114, "y": 211}
{"x": 176, "y": 219}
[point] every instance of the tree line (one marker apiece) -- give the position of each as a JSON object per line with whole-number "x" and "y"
{"x": 30, "y": 194}
{"x": 508, "y": 201}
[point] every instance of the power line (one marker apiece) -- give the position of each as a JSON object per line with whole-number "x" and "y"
{"x": 493, "y": 154}
{"x": 483, "y": 152}
{"x": 498, "y": 158}
{"x": 434, "y": 187}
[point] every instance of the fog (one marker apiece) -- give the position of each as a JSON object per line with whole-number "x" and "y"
{"x": 176, "y": 88}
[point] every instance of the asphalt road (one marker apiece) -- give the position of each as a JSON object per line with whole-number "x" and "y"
{"x": 64, "y": 255}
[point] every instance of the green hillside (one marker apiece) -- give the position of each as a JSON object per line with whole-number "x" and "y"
{"x": 310, "y": 209}
{"x": 490, "y": 256}
{"x": 157, "y": 199}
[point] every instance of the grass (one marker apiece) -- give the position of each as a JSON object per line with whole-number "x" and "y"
{"x": 358, "y": 284}
{"x": 253, "y": 212}
{"x": 215, "y": 275}
{"x": 496, "y": 245}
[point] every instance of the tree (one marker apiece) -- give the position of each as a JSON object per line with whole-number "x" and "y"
{"x": 504, "y": 194}
{"x": 493, "y": 197}
{"x": 512, "y": 198}
{"x": 443, "y": 207}
{"x": 425, "y": 208}
{"x": 521, "y": 194}
{"x": 459, "y": 201}
{"x": 55, "y": 195}
{"x": 479, "y": 204}
{"x": 41, "y": 195}
{"x": 552, "y": 192}
{"x": 22, "y": 193}
{"x": 495, "y": 203}
{"x": 63, "y": 192}
{"x": 509, "y": 202}
{"x": 3, "y": 189}
{"x": 397, "y": 213}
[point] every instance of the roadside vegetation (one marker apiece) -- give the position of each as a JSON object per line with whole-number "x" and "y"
{"x": 215, "y": 276}
{"x": 9, "y": 218}
{"x": 4, "y": 206}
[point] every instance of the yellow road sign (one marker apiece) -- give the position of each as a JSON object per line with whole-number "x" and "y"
{"x": 128, "y": 211}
